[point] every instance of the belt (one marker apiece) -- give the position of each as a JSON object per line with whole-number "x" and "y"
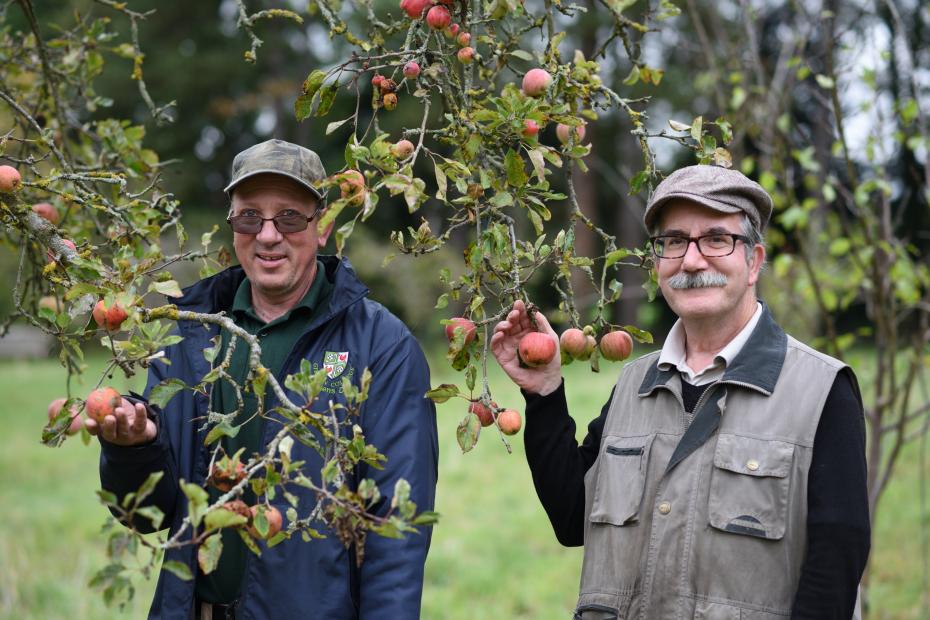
{"x": 215, "y": 611}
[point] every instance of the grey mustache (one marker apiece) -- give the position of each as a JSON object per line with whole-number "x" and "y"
{"x": 700, "y": 279}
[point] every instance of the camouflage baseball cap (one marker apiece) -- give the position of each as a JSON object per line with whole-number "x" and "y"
{"x": 279, "y": 157}
{"x": 721, "y": 189}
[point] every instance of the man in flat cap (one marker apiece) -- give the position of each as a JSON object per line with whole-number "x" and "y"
{"x": 725, "y": 477}
{"x": 304, "y": 307}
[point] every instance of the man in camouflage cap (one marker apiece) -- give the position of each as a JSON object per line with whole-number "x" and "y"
{"x": 305, "y": 308}
{"x": 726, "y": 476}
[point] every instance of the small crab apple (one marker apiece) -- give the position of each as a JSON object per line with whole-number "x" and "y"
{"x": 109, "y": 318}
{"x": 54, "y": 408}
{"x": 470, "y": 330}
{"x": 352, "y": 186}
{"x": 616, "y": 346}
{"x": 376, "y": 80}
{"x": 239, "y": 507}
{"x": 101, "y": 403}
{"x": 483, "y": 412}
{"x": 464, "y": 39}
{"x": 10, "y": 179}
{"x": 536, "y": 349}
{"x": 466, "y": 55}
{"x": 536, "y": 81}
{"x": 510, "y": 422}
{"x": 389, "y": 101}
{"x": 452, "y": 30}
{"x": 564, "y": 131}
{"x": 411, "y": 70}
{"x": 387, "y": 85}
{"x": 226, "y": 473}
{"x": 438, "y": 17}
{"x": 272, "y": 515}
{"x": 530, "y": 128}
{"x": 46, "y": 210}
{"x": 402, "y": 149}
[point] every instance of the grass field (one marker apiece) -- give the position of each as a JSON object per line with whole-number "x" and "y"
{"x": 493, "y": 553}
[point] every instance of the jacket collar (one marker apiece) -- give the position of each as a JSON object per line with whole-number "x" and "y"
{"x": 758, "y": 365}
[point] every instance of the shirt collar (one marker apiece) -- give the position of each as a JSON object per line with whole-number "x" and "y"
{"x": 242, "y": 302}
{"x": 673, "y": 355}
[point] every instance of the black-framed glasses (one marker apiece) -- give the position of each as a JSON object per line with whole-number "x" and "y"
{"x": 710, "y": 246}
{"x": 284, "y": 223}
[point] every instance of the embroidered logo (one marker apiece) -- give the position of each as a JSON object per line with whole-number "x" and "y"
{"x": 335, "y": 362}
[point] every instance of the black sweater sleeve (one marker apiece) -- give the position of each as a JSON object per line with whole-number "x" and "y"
{"x": 838, "y": 530}
{"x": 558, "y": 464}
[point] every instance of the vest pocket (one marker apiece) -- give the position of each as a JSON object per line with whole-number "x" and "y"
{"x": 602, "y": 606}
{"x": 621, "y": 479}
{"x": 749, "y": 486}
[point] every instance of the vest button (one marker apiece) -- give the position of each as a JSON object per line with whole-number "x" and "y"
{"x": 752, "y": 464}
{"x": 665, "y": 508}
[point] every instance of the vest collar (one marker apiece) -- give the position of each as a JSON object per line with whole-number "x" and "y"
{"x": 757, "y": 366}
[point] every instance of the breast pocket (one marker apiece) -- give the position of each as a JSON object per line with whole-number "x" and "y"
{"x": 621, "y": 479}
{"x": 750, "y": 485}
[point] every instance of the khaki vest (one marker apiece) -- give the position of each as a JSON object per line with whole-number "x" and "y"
{"x": 722, "y": 534}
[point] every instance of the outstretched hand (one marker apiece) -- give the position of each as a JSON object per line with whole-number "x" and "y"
{"x": 507, "y": 334}
{"x": 128, "y": 426}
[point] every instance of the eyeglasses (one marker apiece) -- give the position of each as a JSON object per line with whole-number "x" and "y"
{"x": 284, "y": 223}
{"x": 710, "y": 246}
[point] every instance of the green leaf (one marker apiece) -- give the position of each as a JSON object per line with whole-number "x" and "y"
{"x": 523, "y": 55}
{"x": 168, "y": 288}
{"x": 427, "y": 517}
{"x": 539, "y": 163}
{"x": 502, "y": 199}
{"x": 221, "y": 517}
{"x": 443, "y": 393}
{"x": 467, "y": 432}
{"x": 223, "y": 429}
{"x": 639, "y": 334}
{"x": 165, "y": 391}
{"x": 178, "y": 569}
{"x": 616, "y": 255}
{"x": 304, "y": 103}
{"x": 824, "y": 81}
{"x": 697, "y": 126}
{"x": 331, "y": 127}
{"x": 327, "y": 97}
{"x": 516, "y": 173}
{"x": 676, "y": 126}
{"x": 208, "y": 554}
{"x": 196, "y": 501}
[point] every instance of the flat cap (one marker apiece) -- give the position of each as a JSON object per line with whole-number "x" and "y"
{"x": 721, "y": 189}
{"x": 279, "y": 157}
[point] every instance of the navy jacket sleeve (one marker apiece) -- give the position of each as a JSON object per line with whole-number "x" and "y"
{"x": 123, "y": 469}
{"x": 401, "y": 423}
{"x": 558, "y": 464}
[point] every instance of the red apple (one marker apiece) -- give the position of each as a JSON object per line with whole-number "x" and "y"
{"x": 452, "y": 30}
{"x": 109, "y": 318}
{"x": 376, "y": 80}
{"x": 47, "y": 211}
{"x": 54, "y": 408}
{"x": 530, "y": 128}
{"x": 414, "y": 8}
{"x": 483, "y": 412}
{"x": 411, "y": 70}
{"x": 535, "y": 82}
{"x": 464, "y": 39}
{"x": 239, "y": 507}
{"x": 10, "y": 179}
{"x": 616, "y": 346}
{"x": 402, "y": 149}
{"x": 466, "y": 55}
{"x": 563, "y": 133}
{"x": 438, "y": 18}
{"x": 509, "y": 421}
{"x": 573, "y": 342}
{"x": 101, "y": 403}
{"x": 536, "y": 349}
{"x": 470, "y": 330}
{"x": 275, "y": 521}
{"x": 226, "y": 474}
{"x": 352, "y": 186}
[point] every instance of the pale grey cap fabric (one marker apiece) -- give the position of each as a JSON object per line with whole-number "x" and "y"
{"x": 721, "y": 189}
{"x": 279, "y": 157}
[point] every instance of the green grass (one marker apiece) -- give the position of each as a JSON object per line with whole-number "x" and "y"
{"x": 493, "y": 554}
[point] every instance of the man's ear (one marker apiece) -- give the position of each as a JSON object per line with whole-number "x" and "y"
{"x": 756, "y": 261}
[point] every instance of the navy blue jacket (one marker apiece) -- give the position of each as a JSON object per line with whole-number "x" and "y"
{"x": 297, "y": 579}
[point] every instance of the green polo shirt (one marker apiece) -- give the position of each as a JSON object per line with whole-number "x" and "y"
{"x": 277, "y": 338}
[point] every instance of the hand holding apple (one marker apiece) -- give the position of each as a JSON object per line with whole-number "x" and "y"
{"x": 123, "y": 425}
{"x": 543, "y": 379}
